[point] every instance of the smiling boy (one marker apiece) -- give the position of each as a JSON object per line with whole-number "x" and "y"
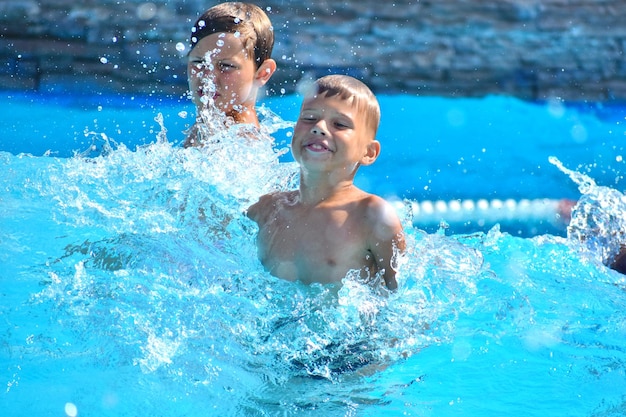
{"x": 329, "y": 227}
{"x": 229, "y": 61}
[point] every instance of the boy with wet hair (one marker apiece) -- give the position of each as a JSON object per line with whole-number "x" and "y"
{"x": 229, "y": 61}
{"x": 329, "y": 227}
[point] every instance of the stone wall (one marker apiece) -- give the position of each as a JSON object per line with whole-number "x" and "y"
{"x": 533, "y": 49}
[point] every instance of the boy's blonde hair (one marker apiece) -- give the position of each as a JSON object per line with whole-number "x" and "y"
{"x": 349, "y": 88}
{"x": 248, "y": 20}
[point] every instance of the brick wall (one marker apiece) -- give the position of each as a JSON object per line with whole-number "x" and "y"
{"x": 533, "y": 49}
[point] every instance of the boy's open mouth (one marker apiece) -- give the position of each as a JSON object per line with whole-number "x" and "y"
{"x": 317, "y": 147}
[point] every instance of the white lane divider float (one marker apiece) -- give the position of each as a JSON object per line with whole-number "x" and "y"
{"x": 483, "y": 212}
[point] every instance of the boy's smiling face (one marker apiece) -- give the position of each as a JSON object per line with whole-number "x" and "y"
{"x": 222, "y": 59}
{"x": 332, "y": 134}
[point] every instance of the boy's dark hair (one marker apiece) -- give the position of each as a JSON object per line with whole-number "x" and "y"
{"x": 247, "y": 20}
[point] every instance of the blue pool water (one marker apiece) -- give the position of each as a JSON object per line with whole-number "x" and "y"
{"x": 130, "y": 283}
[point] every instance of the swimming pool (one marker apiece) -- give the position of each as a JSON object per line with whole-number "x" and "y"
{"x": 119, "y": 297}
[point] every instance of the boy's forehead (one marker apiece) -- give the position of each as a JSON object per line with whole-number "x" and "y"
{"x": 332, "y": 105}
{"x": 221, "y": 44}
{"x": 323, "y": 101}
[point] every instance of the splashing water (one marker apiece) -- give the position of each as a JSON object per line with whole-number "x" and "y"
{"x": 152, "y": 252}
{"x": 599, "y": 217}
{"x": 136, "y": 289}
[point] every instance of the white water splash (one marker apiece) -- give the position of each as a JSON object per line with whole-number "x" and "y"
{"x": 599, "y": 217}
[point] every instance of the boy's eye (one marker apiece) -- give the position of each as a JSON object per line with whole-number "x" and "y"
{"x": 201, "y": 64}
{"x": 342, "y": 125}
{"x": 224, "y": 66}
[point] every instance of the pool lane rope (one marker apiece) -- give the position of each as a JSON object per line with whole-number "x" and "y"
{"x": 483, "y": 211}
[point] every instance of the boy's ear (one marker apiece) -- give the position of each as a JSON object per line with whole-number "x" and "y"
{"x": 372, "y": 152}
{"x": 265, "y": 71}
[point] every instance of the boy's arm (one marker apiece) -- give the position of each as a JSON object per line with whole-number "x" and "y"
{"x": 386, "y": 239}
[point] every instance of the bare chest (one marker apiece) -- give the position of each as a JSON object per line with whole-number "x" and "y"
{"x": 313, "y": 247}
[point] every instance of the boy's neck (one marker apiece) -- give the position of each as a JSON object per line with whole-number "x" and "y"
{"x": 315, "y": 189}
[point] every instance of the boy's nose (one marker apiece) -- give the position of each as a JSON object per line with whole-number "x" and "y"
{"x": 318, "y": 130}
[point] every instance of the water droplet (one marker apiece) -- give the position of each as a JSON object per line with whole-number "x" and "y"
{"x": 180, "y": 47}
{"x": 146, "y": 11}
{"x": 71, "y": 410}
{"x": 579, "y": 133}
{"x": 104, "y": 60}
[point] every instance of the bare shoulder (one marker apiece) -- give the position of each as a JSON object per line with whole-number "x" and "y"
{"x": 258, "y": 210}
{"x": 268, "y": 204}
{"x": 382, "y": 218}
{"x": 380, "y": 210}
